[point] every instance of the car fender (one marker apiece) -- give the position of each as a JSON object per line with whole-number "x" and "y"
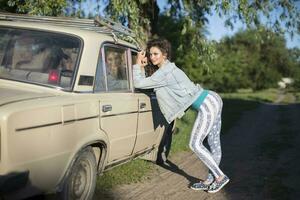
{"x": 96, "y": 140}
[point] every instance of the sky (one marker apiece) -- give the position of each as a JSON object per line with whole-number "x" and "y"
{"x": 217, "y": 29}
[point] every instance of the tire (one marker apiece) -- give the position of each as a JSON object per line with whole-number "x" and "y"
{"x": 81, "y": 181}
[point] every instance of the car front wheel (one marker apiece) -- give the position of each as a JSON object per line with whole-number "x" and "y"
{"x": 81, "y": 181}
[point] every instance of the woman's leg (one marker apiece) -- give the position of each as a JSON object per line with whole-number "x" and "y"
{"x": 207, "y": 122}
{"x": 213, "y": 137}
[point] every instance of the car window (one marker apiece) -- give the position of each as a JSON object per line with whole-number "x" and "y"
{"x": 112, "y": 70}
{"x": 38, "y": 57}
{"x": 116, "y": 69}
{"x": 133, "y": 57}
{"x": 100, "y": 79}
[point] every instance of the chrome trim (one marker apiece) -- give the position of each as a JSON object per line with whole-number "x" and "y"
{"x": 145, "y": 111}
{"x": 55, "y": 123}
{"x": 125, "y": 113}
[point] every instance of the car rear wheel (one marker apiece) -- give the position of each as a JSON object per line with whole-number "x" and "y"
{"x": 81, "y": 181}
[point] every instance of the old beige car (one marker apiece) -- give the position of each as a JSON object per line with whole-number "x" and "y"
{"x": 68, "y": 109}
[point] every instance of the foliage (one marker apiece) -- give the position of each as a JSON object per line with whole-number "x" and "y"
{"x": 256, "y": 58}
{"x": 41, "y": 7}
{"x": 183, "y": 23}
{"x": 252, "y": 13}
{"x": 142, "y": 15}
{"x": 186, "y": 51}
{"x": 129, "y": 12}
{"x": 4, "y": 6}
{"x": 294, "y": 55}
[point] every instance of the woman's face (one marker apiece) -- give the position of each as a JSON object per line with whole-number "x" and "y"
{"x": 156, "y": 56}
{"x": 112, "y": 65}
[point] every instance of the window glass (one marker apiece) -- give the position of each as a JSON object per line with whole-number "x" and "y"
{"x": 133, "y": 57}
{"x": 38, "y": 57}
{"x": 116, "y": 69}
{"x": 100, "y": 83}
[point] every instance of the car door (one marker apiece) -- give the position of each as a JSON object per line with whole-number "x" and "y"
{"x": 118, "y": 105}
{"x": 149, "y": 117}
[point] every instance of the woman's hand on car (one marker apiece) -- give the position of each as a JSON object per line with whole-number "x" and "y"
{"x": 142, "y": 59}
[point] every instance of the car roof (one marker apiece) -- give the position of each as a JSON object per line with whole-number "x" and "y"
{"x": 101, "y": 29}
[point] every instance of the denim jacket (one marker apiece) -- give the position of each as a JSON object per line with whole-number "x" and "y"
{"x": 175, "y": 92}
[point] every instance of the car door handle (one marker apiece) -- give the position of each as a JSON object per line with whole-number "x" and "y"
{"x": 142, "y": 105}
{"x": 106, "y": 108}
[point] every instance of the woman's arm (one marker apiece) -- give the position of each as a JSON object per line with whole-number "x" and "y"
{"x": 140, "y": 81}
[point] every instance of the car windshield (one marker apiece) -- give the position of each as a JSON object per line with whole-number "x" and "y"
{"x": 38, "y": 57}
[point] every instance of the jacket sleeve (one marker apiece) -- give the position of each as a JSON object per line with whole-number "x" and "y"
{"x": 140, "y": 81}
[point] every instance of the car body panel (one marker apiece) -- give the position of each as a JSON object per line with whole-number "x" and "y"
{"x": 43, "y": 126}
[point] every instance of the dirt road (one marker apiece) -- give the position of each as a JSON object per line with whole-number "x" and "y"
{"x": 260, "y": 154}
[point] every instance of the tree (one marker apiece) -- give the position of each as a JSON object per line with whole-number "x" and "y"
{"x": 255, "y": 58}
{"x": 294, "y": 55}
{"x": 5, "y": 6}
{"x": 142, "y": 15}
{"x": 188, "y": 19}
{"x": 41, "y": 7}
{"x": 185, "y": 51}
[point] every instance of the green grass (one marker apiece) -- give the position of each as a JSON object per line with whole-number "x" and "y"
{"x": 268, "y": 95}
{"x": 182, "y": 135}
{"x": 130, "y": 172}
{"x": 235, "y": 104}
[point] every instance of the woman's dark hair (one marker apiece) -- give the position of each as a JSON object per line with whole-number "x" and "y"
{"x": 162, "y": 44}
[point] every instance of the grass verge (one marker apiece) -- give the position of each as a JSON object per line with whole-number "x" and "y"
{"x": 130, "y": 172}
{"x": 268, "y": 95}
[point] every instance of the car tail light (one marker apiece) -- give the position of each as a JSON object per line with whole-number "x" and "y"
{"x": 54, "y": 76}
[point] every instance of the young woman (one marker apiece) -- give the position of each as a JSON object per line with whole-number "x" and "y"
{"x": 175, "y": 93}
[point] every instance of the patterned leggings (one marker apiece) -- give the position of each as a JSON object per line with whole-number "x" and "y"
{"x": 208, "y": 124}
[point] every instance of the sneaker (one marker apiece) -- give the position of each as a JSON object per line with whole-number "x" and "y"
{"x": 200, "y": 186}
{"x": 216, "y": 186}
